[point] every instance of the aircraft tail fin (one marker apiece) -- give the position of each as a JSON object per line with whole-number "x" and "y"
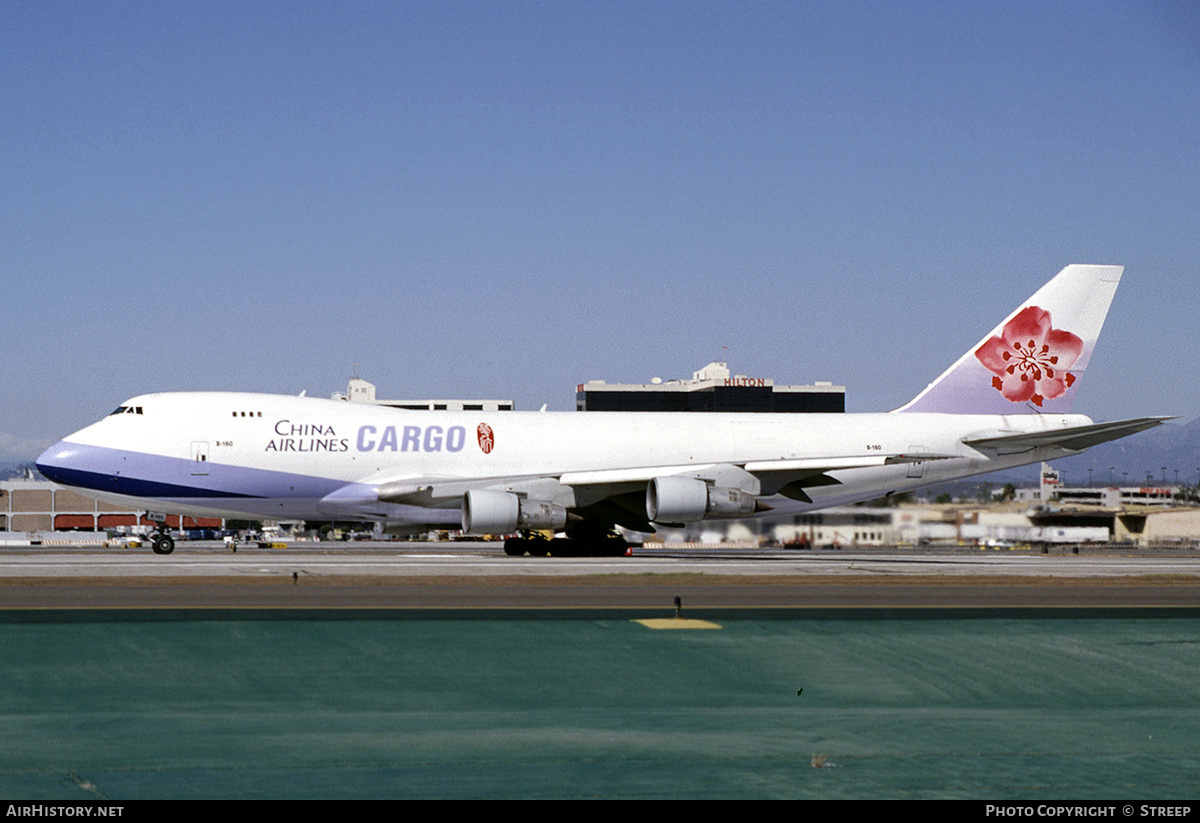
{"x": 1033, "y": 361}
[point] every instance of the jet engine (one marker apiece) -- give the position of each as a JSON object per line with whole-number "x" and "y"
{"x": 495, "y": 512}
{"x": 686, "y": 500}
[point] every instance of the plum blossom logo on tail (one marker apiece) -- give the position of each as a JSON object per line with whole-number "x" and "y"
{"x": 1030, "y": 358}
{"x": 486, "y": 439}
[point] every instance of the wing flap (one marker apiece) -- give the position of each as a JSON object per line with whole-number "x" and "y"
{"x": 817, "y": 465}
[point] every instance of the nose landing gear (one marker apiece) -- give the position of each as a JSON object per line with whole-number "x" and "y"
{"x": 161, "y": 540}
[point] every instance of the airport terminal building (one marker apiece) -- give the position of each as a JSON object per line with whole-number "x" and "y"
{"x": 30, "y": 504}
{"x": 711, "y": 389}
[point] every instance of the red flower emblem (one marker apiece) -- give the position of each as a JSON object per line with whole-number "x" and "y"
{"x": 1030, "y": 358}
{"x": 486, "y": 439}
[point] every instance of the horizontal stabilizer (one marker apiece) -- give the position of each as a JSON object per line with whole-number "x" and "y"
{"x": 1076, "y": 438}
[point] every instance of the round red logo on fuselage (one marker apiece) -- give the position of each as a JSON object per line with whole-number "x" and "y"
{"x": 486, "y": 439}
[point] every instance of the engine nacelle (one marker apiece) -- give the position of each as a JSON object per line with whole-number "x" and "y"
{"x": 687, "y": 500}
{"x": 494, "y": 512}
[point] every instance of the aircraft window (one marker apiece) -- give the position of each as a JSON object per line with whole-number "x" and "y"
{"x": 117, "y": 410}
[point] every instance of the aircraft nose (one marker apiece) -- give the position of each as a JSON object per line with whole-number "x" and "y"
{"x": 55, "y": 462}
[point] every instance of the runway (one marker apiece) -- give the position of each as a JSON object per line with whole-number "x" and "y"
{"x": 477, "y": 576}
{"x": 452, "y": 671}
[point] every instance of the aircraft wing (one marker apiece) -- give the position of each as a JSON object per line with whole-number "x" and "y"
{"x": 1074, "y": 439}
{"x": 618, "y": 496}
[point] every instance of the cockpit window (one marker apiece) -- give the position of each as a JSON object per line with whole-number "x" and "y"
{"x": 126, "y": 410}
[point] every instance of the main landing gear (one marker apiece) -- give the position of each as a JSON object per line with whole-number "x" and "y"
{"x": 593, "y": 544}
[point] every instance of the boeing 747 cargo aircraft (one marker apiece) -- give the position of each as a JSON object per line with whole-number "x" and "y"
{"x": 1004, "y": 403}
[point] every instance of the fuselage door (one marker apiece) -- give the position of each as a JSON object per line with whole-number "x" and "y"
{"x": 200, "y": 457}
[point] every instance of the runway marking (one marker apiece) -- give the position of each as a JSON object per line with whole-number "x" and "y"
{"x": 676, "y": 623}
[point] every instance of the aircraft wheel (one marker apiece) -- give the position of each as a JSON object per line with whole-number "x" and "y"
{"x": 616, "y": 546}
{"x": 589, "y": 546}
{"x": 164, "y": 544}
{"x": 515, "y": 546}
{"x": 565, "y": 547}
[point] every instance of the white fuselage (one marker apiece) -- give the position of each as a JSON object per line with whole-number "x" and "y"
{"x": 281, "y": 457}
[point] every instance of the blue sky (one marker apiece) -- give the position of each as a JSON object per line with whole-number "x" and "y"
{"x": 506, "y": 199}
